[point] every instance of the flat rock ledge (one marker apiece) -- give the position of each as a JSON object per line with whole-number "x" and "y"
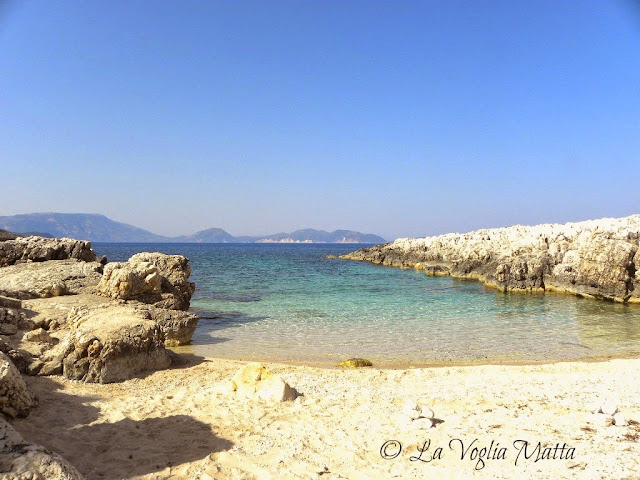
{"x": 40, "y": 249}
{"x": 595, "y": 258}
{"x": 48, "y": 279}
{"x": 20, "y": 460}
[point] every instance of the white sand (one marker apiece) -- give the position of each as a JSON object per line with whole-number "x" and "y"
{"x": 178, "y": 424}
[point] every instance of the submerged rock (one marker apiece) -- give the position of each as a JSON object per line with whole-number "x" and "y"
{"x": 596, "y": 258}
{"x": 355, "y": 363}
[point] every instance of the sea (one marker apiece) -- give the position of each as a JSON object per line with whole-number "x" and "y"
{"x": 290, "y": 303}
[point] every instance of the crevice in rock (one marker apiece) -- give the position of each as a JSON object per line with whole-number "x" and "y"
{"x": 631, "y": 270}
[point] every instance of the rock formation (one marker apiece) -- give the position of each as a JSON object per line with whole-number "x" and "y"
{"x": 108, "y": 344}
{"x": 53, "y": 322}
{"x": 15, "y": 398}
{"x": 153, "y": 278}
{"x": 48, "y": 279}
{"x": 40, "y": 249}
{"x": 177, "y": 326}
{"x": 595, "y": 258}
{"x": 20, "y": 460}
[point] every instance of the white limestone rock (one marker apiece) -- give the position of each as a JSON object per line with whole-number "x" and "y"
{"x": 601, "y": 419}
{"x": 609, "y": 408}
{"x": 422, "y": 424}
{"x": 620, "y": 420}
{"x": 253, "y": 381}
{"x": 411, "y": 409}
{"x": 598, "y": 258}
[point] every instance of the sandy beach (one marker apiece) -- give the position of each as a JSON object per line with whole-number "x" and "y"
{"x": 185, "y": 422}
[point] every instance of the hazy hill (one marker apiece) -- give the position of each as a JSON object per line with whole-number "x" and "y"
{"x": 210, "y": 235}
{"x": 98, "y": 228}
{"x": 83, "y": 226}
{"x": 321, "y": 236}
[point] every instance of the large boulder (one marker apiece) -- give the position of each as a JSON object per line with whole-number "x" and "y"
{"x": 48, "y": 279}
{"x": 107, "y": 344}
{"x": 177, "y": 326}
{"x": 40, "y": 249}
{"x": 153, "y": 278}
{"x": 131, "y": 281}
{"x": 15, "y": 398}
{"x": 20, "y": 460}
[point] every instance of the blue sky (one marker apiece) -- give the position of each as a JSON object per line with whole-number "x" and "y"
{"x": 396, "y": 118}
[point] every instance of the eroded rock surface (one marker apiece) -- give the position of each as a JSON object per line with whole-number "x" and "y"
{"x": 597, "y": 258}
{"x": 52, "y": 322}
{"x": 48, "y": 279}
{"x": 20, "y": 460}
{"x": 15, "y": 398}
{"x": 40, "y": 249}
{"x": 108, "y": 344}
{"x": 152, "y": 278}
{"x": 177, "y": 326}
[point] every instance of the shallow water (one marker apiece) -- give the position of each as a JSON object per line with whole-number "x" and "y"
{"x": 282, "y": 302}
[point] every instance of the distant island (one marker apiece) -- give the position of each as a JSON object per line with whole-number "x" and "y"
{"x": 99, "y": 228}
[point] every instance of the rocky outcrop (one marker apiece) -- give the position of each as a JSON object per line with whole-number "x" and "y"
{"x": 176, "y": 326}
{"x": 15, "y": 398}
{"x": 596, "y": 258}
{"x": 48, "y": 279}
{"x": 153, "y": 278}
{"x": 40, "y": 249}
{"x": 52, "y": 322}
{"x": 107, "y": 344}
{"x": 20, "y": 460}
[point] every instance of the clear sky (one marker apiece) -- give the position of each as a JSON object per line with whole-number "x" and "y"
{"x": 399, "y": 118}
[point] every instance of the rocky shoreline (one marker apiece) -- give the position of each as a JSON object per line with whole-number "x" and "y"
{"x": 595, "y": 258}
{"x": 63, "y": 311}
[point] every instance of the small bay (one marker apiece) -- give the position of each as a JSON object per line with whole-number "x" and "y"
{"x": 288, "y": 302}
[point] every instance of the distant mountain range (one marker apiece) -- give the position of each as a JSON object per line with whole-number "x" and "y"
{"x": 98, "y": 228}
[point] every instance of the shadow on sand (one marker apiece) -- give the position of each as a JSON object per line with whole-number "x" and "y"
{"x": 65, "y": 424}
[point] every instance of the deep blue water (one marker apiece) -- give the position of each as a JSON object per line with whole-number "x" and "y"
{"x": 287, "y": 302}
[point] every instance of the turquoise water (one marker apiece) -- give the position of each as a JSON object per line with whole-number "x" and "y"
{"x": 283, "y": 302}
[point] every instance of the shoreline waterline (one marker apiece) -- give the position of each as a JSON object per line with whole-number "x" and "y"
{"x": 381, "y": 364}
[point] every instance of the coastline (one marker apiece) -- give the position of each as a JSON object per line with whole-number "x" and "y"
{"x": 183, "y": 416}
{"x": 184, "y": 423}
{"x": 595, "y": 258}
{"x": 403, "y": 365}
